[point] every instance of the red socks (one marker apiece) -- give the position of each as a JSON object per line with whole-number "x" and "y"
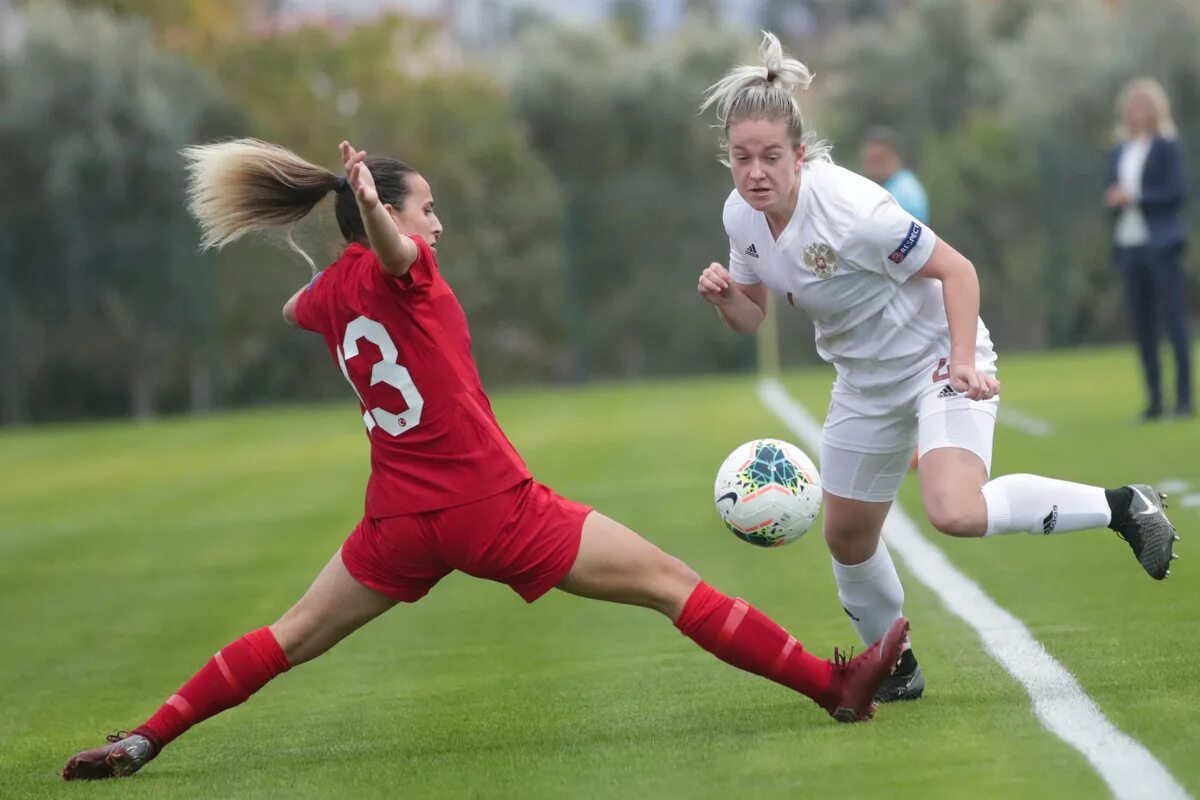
{"x": 731, "y": 629}
{"x": 739, "y": 634}
{"x": 237, "y": 671}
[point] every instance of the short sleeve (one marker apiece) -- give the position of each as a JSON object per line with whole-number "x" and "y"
{"x": 423, "y": 268}
{"x": 741, "y": 256}
{"x": 308, "y": 305}
{"x": 890, "y": 241}
{"x": 419, "y": 275}
{"x": 739, "y": 266}
{"x": 369, "y": 276}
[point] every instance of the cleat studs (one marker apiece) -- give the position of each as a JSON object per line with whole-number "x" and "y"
{"x": 1174, "y": 556}
{"x": 1168, "y": 574}
{"x": 1175, "y": 537}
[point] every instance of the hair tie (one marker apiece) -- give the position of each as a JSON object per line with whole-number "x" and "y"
{"x": 771, "y": 75}
{"x": 340, "y": 183}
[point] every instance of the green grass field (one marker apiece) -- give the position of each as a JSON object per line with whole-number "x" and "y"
{"x": 129, "y": 553}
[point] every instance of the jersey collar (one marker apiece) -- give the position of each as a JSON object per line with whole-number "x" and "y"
{"x": 790, "y": 230}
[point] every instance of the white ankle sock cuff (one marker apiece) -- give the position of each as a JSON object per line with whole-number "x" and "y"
{"x": 868, "y": 570}
{"x": 999, "y": 514}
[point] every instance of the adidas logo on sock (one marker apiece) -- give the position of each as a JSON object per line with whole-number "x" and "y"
{"x": 947, "y": 392}
{"x": 752, "y": 252}
{"x": 1051, "y": 520}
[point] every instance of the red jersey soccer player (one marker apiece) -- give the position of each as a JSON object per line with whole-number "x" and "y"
{"x": 447, "y": 490}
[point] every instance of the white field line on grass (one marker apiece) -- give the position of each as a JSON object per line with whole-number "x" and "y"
{"x": 1025, "y": 423}
{"x": 1129, "y": 769}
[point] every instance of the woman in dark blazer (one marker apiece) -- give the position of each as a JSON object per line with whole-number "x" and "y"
{"x": 1147, "y": 190}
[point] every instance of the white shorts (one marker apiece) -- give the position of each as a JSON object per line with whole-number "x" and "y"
{"x": 868, "y": 440}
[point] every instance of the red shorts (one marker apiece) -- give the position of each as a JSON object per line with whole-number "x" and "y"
{"x": 526, "y": 536}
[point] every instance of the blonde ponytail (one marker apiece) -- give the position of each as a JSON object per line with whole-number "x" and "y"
{"x": 244, "y": 185}
{"x": 766, "y": 91}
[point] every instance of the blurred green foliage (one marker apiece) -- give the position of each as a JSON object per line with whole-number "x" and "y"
{"x": 579, "y": 188}
{"x": 1008, "y": 112}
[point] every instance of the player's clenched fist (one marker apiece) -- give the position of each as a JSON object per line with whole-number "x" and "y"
{"x": 716, "y": 285}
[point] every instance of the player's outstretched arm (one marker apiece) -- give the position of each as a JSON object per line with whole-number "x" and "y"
{"x": 742, "y": 306}
{"x": 395, "y": 251}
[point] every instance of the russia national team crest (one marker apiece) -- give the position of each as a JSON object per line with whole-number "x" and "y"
{"x": 820, "y": 258}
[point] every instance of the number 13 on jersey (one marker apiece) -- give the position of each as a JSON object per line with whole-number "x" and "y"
{"x": 386, "y": 370}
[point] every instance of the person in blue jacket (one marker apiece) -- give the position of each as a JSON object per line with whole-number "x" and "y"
{"x": 1147, "y": 190}
{"x": 880, "y": 160}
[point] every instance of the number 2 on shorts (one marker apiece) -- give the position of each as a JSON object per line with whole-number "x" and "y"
{"x": 941, "y": 372}
{"x": 386, "y": 370}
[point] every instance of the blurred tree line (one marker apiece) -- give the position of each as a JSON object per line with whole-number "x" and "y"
{"x": 108, "y": 308}
{"x": 580, "y": 190}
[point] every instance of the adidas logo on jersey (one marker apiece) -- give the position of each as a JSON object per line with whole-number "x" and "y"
{"x": 752, "y": 252}
{"x": 947, "y": 392}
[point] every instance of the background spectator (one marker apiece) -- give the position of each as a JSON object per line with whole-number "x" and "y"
{"x": 881, "y": 162}
{"x": 1147, "y": 190}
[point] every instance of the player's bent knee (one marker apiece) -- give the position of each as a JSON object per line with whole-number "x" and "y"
{"x": 955, "y": 520}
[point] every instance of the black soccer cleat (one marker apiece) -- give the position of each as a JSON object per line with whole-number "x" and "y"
{"x": 124, "y": 755}
{"x": 1148, "y": 531}
{"x": 906, "y": 683}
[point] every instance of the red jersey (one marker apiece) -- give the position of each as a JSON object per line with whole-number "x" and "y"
{"x": 404, "y": 345}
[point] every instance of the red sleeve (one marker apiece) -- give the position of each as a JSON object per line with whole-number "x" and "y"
{"x": 308, "y": 307}
{"x": 419, "y": 275}
{"x": 423, "y": 268}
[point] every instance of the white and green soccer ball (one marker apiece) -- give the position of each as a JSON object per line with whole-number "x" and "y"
{"x": 768, "y": 492}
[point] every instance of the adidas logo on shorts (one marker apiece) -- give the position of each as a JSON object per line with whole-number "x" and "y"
{"x": 752, "y": 252}
{"x": 947, "y": 392}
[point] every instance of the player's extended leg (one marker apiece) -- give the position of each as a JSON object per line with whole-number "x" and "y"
{"x": 332, "y": 608}
{"x": 961, "y": 501}
{"x": 956, "y": 434}
{"x": 859, "y": 489}
{"x": 868, "y": 585}
{"x": 617, "y": 565}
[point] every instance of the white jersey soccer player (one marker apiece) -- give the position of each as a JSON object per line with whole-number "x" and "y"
{"x": 845, "y": 258}
{"x": 896, "y": 311}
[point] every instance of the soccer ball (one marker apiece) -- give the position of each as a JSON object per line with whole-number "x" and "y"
{"x": 768, "y": 492}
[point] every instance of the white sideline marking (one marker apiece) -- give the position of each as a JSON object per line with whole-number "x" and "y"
{"x": 1025, "y": 423}
{"x": 1129, "y": 769}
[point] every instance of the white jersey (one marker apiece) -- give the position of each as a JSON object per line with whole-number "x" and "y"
{"x": 846, "y": 259}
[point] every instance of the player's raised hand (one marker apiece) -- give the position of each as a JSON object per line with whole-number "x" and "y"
{"x": 716, "y": 285}
{"x": 361, "y": 180}
{"x": 350, "y": 156}
{"x": 363, "y": 184}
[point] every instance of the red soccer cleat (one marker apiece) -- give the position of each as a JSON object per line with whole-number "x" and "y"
{"x": 855, "y": 680}
{"x": 124, "y": 755}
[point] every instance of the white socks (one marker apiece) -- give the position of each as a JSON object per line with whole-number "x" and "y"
{"x": 1043, "y": 505}
{"x": 870, "y": 593}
